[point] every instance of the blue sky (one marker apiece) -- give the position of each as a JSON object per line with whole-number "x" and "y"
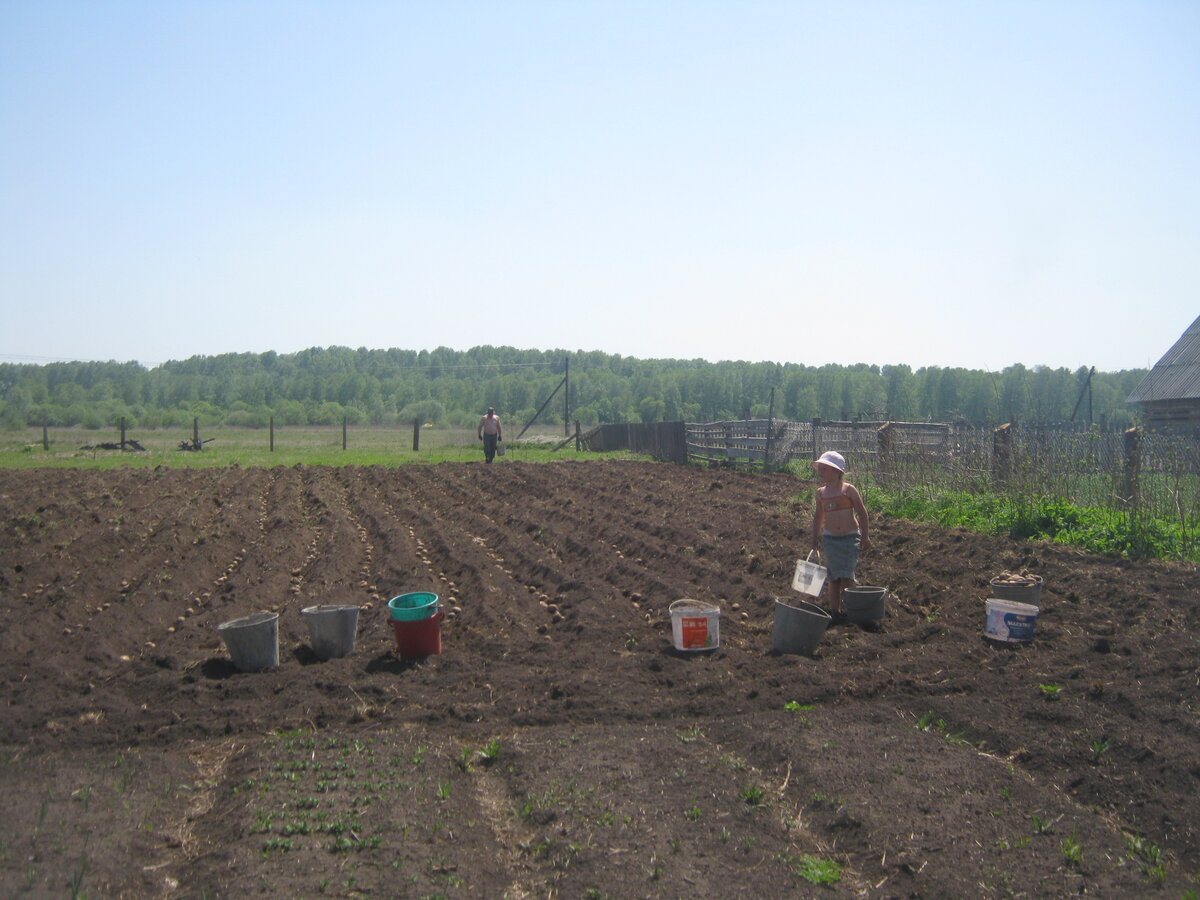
{"x": 931, "y": 183}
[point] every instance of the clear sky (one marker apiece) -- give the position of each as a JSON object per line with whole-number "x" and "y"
{"x": 949, "y": 183}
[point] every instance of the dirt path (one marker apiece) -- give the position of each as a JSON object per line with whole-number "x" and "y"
{"x": 560, "y": 746}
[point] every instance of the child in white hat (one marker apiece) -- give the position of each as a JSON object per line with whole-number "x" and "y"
{"x": 840, "y": 525}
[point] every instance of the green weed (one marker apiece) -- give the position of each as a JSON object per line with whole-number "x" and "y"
{"x": 1099, "y": 747}
{"x": 752, "y": 795}
{"x": 817, "y": 870}
{"x": 927, "y": 722}
{"x": 1148, "y": 856}
{"x": 1044, "y": 826}
{"x": 343, "y": 844}
{"x": 78, "y": 873}
{"x": 1071, "y": 850}
{"x": 691, "y": 735}
{"x": 276, "y": 845}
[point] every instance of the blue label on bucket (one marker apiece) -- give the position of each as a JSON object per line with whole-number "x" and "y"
{"x": 1019, "y": 627}
{"x": 1009, "y": 626}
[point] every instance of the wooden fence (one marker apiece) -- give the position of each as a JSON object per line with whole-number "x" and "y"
{"x": 661, "y": 440}
{"x": 773, "y": 443}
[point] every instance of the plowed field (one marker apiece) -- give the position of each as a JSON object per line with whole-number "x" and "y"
{"x": 560, "y": 745}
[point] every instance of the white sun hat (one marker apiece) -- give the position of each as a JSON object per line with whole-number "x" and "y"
{"x": 832, "y": 458}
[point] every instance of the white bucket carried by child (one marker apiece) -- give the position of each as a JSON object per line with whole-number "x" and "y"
{"x": 695, "y": 625}
{"x": 809, "y": 577}
{"x": 1010, "y": 621}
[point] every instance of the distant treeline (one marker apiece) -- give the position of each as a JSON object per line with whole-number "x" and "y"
{"x": 329, "y": 385}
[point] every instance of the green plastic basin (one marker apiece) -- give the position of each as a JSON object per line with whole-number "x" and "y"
{"x": 413, "y": 607}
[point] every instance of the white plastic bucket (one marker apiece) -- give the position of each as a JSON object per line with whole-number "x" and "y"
{"x": 809, "y": 576}
{"x": 1010, "y": 621}
{"x": 695, "y": 625}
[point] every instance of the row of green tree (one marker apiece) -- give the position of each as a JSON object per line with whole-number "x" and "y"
{"x": 329, "y": 385}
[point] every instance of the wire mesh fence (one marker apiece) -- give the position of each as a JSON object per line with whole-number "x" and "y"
{"x": 1140, "y": 472}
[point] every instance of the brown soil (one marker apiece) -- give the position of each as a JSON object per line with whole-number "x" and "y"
{"x": 560, "y": 745}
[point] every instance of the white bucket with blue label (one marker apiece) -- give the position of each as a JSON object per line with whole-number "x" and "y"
{"x": 1010, "y": 621}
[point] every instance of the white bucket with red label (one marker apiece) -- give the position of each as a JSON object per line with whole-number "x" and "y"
{"x": 695, "y": 625}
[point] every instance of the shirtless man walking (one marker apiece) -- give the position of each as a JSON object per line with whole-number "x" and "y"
{"x": 489, "y": 432}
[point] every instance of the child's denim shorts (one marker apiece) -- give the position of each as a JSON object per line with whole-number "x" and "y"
{"x": 841, "y": 554}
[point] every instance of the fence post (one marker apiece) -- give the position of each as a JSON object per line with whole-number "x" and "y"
{"x": 1133, "y": 464}
{"x": 45, "y": 437}
{"x": 767, "y": 463}
{"x": 578, "y": 441}
{"x": 196, "y": 445}
{"x": 343, "y": 432}
{"x": 122, "y": 432}
{"x": 884, "y": 439}
{"x": 271, "y": 425}
{"x": 816, "y": 433}
{"x": 416, "y": 435}
{"x": 1002, "y": 452}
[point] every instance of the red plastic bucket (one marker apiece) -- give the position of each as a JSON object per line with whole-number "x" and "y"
{"x": 419, "y": 638}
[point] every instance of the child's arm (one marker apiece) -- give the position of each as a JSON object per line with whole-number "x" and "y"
{"x": 818, "y": 522}
{"x": 860, "y": 516}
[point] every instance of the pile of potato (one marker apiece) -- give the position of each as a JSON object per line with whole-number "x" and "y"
{"x": 1022, "y": 577}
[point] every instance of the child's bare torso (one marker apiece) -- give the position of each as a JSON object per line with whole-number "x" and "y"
{"x": 837, "y": 510}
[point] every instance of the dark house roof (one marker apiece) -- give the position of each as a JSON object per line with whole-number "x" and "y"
{"x": 1177, "y": 375}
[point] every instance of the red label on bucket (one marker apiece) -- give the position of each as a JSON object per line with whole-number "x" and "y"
{"x": 695, "y": 632}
